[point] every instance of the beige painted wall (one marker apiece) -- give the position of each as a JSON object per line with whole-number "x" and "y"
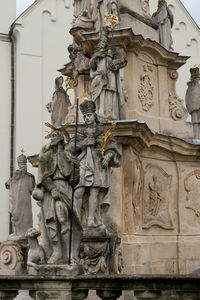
{"x": 7, "y": 14}
{"x": 5, "y": 104}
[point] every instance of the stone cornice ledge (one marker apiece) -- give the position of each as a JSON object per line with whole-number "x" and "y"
{"x": 4, "y": 37}
{"x": 125, "y": 38}
{"x": 106, "y": 282}
{"x": 140, "y": 137}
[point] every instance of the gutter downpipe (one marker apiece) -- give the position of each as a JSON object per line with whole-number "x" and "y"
{"x": 12, "y": 116}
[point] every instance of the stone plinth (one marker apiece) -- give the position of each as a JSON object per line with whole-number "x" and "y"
{"x": 99, "y": 252}
{"x": 59, "y": 270}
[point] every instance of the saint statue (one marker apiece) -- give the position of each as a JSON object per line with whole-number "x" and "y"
{"x": 106, "y": 85}
{"x": 91, "y": 198}
{"x": 104, "y": 8}
{"x": 165, "y": 20}
{"x": 192, "y": 100}
{"x": 60, "y": 104}
{"x": 21, "y": 186}
{"x": 54, "y": 191}
{"x": 83, "y": 12}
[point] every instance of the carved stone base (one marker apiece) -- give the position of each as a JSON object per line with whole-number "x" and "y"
{"x": 13, "y": 258}
{"x": 99, "y": 252}
{"x": 59, "y": 270}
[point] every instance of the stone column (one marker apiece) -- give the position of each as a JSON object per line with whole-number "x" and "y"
{"x": 79, "y": 294}
{"x": 55, "y": 295}
{"x": 8, "y": 295}
{"x": 108, "y": 294}
{"x": 147, "y": 295}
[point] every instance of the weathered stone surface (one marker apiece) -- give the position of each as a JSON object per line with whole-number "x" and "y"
{"x": 100, "y": 254}
{"x": 54, "y": 192}
{"x": 72, "y": 270}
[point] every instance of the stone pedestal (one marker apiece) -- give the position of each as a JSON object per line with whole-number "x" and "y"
{"x": 59, "y": 270}
{"x": 99, "y": 252}
{"x": 13, "y": 258}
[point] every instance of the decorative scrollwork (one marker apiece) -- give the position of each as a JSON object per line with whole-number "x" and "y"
{"x": 177, "y": 110}
{"x": 12, "y": 257}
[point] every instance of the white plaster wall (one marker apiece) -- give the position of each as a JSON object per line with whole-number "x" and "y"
{"x": 5, "y": 104}
{"x": 7, "y": 14}
{"x": 186, "y": 37}
{"x": 42, "y": 37}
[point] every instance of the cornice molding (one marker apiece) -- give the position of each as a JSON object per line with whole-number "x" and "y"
{"x": 4, "y": 37}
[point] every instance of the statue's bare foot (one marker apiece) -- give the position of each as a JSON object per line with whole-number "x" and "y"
{"x": 91, "y": 222}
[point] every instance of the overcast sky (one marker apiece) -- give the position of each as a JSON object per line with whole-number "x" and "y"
{"x": 193, "y": 6}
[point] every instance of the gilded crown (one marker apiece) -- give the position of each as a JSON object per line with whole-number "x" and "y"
{"x": 87, "y": 107}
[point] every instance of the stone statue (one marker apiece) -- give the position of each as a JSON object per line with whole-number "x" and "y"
{"x": 59, "y": 105}
{"x": 91, "y": 197}
{"x": 54, "y": 191}
{"x": 192, "y": 100}
{"x": 106, "y": 84}
{"x": 36, "y": 253}
{"x": 80, "y": 62}
{"x": 104, "y": 8}
{"x": 83, "y": 14}
{"x": 21, "y": 186}
{"x": 165, "y": 20}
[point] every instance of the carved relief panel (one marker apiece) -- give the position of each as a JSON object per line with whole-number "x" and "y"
{"x": 156, "y": 198}
{"x": 192, "y": 203}
{"x": 147, "y": 84}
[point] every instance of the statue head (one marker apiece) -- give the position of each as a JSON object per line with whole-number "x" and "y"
{"x": 32, "y": 233}
{"x": 88, "y": 109}
{"x": 22, "y": 162}
{"x": 56, "y": 137}
{"x": 59, "y": 82}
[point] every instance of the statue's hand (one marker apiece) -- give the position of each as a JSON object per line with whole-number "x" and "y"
{"x": 105, "y": 162}
{"x": 55, "y": 194}
{"x": 89, "y": 141}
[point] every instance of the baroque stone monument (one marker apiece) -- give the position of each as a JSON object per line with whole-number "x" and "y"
{"x": 118, "y": 184}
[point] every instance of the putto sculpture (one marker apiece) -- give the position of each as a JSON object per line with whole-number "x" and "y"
{"x": 21, "y": 186}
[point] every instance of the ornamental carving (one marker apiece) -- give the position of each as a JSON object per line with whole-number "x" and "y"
{"x": 145, "y": 8}
{"x": 177, "y": 111}
{"x": 156, "y": 206}
{"x": 192, "y": 187}
{"x": 146, "y": 90}
{"x": 13, "y": 258}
